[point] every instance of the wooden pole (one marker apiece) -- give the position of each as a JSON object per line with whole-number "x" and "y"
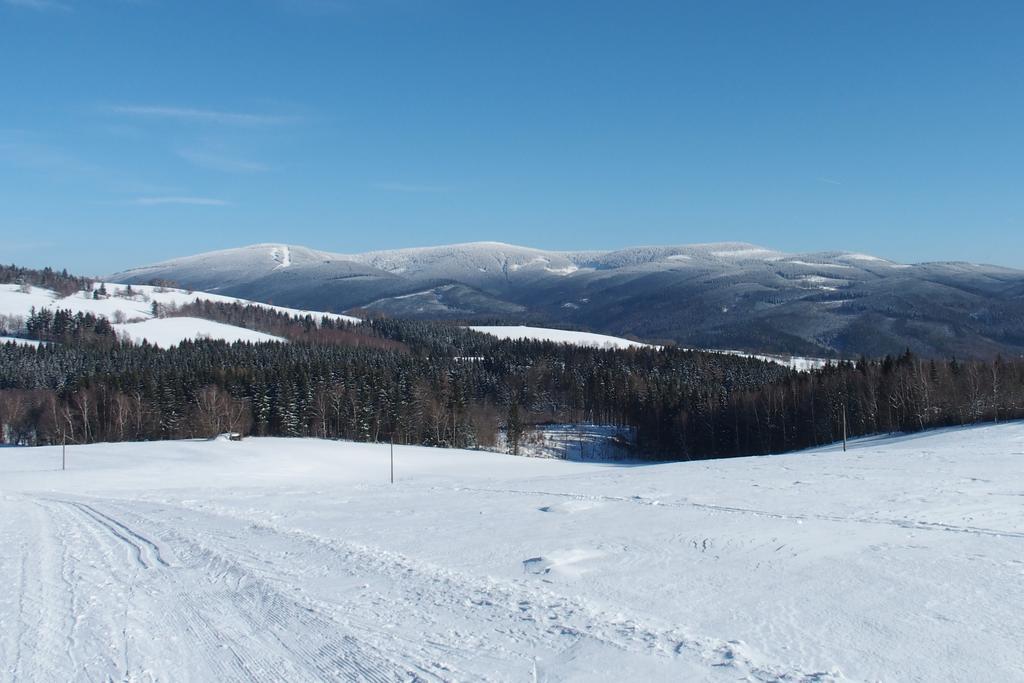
{"x": 844, "y": 428}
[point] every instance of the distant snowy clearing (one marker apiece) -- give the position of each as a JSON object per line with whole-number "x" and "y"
{"x": 165, "y": 332}
{"x": 296, "y": 560}
{"x": 601, "y": 341}
{"x": 801, "y": 363}
{"x": 19, "y": 341}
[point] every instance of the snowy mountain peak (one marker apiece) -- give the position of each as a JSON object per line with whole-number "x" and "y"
{"x": 282, "y": 256}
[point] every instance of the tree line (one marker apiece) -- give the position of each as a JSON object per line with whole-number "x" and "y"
{"x": 61, "y": 282}
{"x": 415, "y": 382}
{"x": 434, "y": 384}
{"x": 906, "y": 393}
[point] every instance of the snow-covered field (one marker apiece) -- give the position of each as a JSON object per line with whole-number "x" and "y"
{"x": 167, "y": 332}
{"x": 518, "y": 332}
{"x": 136, "y": 312}
{"x": 296, "y": 560}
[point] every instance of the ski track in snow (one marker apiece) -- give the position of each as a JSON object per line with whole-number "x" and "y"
{"x": 274, "y": 559}
{"x": 209, "y": 585}
{"x": 232, "y": 623}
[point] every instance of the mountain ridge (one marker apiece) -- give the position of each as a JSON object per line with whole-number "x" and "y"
{"x": 714, "y": 295}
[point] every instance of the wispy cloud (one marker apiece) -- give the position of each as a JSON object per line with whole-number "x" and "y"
{"x": 220, "y": 162}
{"x": 188, "y": 114}
{"x": 40, "y": 5}
{"x": 409, "y": 187}
{"x": 188, "y": 201}
{"x": 829, "y": 181}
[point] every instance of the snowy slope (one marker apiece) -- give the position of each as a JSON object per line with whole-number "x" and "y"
{"x": 231, "y": 265}
{"x": 15, "y": 302}
{"x": 275, "y": 273}
{"x": 474, "y": 261}
{"x": 296, "y": 560}
{"x": 136, "y": 311}
{"x": 601, "y": 341}
{"x": 178, "y": 297}
{"x": 167, "y": 332}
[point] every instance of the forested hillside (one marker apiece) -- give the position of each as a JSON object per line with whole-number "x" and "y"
{"x": 435, "y": 384}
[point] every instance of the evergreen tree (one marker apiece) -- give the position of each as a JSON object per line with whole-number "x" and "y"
{"x": 513, "y": 428}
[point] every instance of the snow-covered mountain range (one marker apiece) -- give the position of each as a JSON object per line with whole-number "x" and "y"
{"x": 724, "y": 295}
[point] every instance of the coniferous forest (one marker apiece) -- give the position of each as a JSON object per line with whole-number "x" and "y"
{"x": 440, "y": 384}
{"x": 434, "y": 384}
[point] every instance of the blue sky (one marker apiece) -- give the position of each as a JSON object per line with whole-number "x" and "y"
{"x": 137, "y": 130}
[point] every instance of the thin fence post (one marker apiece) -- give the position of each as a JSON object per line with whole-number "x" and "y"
{"x": 844, "y": 428}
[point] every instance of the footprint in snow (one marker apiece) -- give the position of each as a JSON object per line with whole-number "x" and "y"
{"x": 569, "y": 563}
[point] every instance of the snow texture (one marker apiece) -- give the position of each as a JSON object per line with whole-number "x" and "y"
{"x": 275, "y": 559}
